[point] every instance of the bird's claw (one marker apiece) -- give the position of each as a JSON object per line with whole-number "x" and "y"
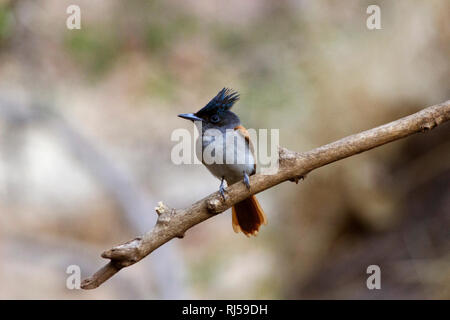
{"x": 246, "y": 180}
{"x": 222, "y": 192}
{"x": 222, "y": 189}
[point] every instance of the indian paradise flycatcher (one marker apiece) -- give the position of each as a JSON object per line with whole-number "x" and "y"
{"x": 247, "y": 215}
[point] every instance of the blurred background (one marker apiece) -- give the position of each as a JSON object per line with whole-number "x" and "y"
{"x": 86, "y": 118}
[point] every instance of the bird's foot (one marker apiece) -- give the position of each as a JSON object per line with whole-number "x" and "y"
{"x": 222, "y": 189}
{"x": 246, "y": 180}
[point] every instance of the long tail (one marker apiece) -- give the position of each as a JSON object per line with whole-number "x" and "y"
{"x": 248, "y": 216}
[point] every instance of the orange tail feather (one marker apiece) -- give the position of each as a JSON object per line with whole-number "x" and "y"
{"x": 248, "y": 216}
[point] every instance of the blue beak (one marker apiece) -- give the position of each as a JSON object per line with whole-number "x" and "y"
{"x": 190, "y": 116}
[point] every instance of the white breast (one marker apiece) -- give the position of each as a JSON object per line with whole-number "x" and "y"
{"x": 227, "y": 155}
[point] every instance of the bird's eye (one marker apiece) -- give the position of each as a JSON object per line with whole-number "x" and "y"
{"x": 214, "y": 119}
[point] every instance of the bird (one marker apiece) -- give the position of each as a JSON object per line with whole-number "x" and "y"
{"x": 223, "y": 136}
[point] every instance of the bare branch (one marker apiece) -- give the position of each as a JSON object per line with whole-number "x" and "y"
{"x": 173, "y": 223}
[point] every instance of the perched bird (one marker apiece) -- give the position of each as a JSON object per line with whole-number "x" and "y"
{"x": 217, "y": 121}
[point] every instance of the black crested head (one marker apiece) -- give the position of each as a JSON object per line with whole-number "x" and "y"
{"x": 217, "y": 114}
{"x": 223, "y": 101}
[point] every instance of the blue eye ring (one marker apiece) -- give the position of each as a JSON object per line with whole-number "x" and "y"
{"x": 214, "y": 118}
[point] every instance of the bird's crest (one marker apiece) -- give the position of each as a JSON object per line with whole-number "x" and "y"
{"x": 224, "y": 100}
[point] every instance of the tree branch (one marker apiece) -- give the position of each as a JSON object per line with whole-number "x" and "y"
{"x": 173, "y": 223}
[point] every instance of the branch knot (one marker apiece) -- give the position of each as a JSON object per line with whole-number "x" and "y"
{"x": 213, "y": 205}
{"x": 125, "y": 254}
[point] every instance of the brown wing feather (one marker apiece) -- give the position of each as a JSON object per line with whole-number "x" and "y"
{"x": 247, "y": 215}
{"x": 241, "y": 130}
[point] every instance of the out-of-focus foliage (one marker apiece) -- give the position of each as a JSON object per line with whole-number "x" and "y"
{"x": 5, "y": 22}
{"x": 95, "y": 50}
